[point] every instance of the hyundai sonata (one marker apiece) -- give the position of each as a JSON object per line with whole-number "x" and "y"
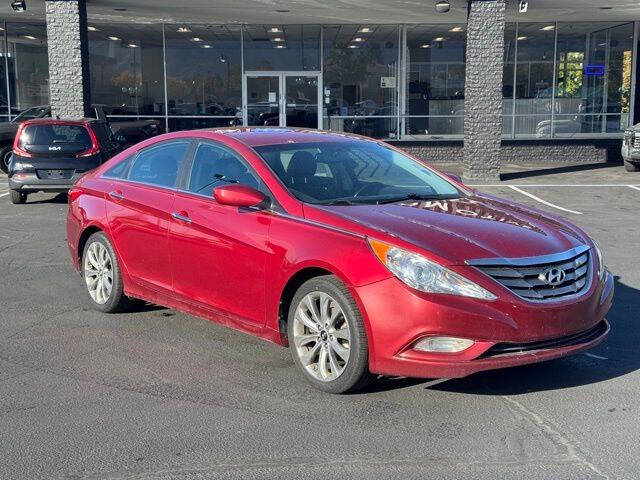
{"x": 360, "y": 258}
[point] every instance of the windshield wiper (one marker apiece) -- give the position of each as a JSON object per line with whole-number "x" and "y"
{"x": 416, "y": 196}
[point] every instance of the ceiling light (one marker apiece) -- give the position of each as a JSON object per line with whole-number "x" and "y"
{"x": 132, "y": 45}
{"x": 115, "y": 39}
{"x": 426, "y": 45}
{"x": 522, "y": 38}
{"x": 278, "y": 39}
{"x": 548, "y": 27}
{"x": 93, "y": 29}
{"x": 274, "y": 30}
{"x": 456, "y": 29}
{"x": 279, "y": 46}
{"x": 354, "y": 46}
{"x": 30, "y": 37}
{"x": 196, "y": 39}
{"x": 443, "y": 6}
{"x": 183, "y": 29}
{"x": 206, "y": 46}
{"x": 438, "y": 39}
{"x": 358, "y": 39}
{"x": 19, "y": 6}
{"x": 364, "y": 30}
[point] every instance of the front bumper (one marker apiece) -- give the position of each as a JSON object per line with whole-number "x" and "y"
{"x": 506, "y": 333}
{"x": 31, "y": 183}
{"x": 630, "y": 153}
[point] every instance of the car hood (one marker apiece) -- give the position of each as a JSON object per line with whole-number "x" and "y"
{"x": 460, "y": 229}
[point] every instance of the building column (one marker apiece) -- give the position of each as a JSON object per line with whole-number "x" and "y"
{"x": 68, "y": 46}
{"x": 483, "y": 89}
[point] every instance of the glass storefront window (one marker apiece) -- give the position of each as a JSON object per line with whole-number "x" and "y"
{"x": 28, "y": 61}
{"x": 508, "y": 76}
{"x": 281, "y": 47}
{"x": 434, "y": 98}
{"x": 361, "y": 72}
{"x": 126, "y": 69}
{"x": 594, "y": 78}
{"x": 204, "y": 76}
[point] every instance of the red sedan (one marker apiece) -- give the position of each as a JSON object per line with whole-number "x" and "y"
{"x": 359, "y": 257}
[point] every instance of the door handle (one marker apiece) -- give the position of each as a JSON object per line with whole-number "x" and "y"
{"x": 181, "y": 217}
{"x": 117, "y": 195}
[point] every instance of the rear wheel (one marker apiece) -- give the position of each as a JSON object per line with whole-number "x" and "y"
{"x": 327, "y": 336}
{"x": 5, "y": 155}
{"x": 631, "y": 166}
{"x": 18, "y": 197}
{"x": 102, "y": 274}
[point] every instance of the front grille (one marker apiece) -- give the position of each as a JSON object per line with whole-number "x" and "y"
{"x": 575, "y": 339}
{"x": 636, "y": 141}
{"x": 527, "y": 277}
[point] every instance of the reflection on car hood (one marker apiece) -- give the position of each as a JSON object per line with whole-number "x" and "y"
{"x": 461, "y": 229}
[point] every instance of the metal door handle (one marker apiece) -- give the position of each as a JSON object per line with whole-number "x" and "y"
{"x": 116, "y": 195}
{"x": 182, "y": 218}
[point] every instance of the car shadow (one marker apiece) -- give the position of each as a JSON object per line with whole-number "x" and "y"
{"x": 616, "y": 356}
{"x": 539, "y": 172}
{"x": 59, "y": 198}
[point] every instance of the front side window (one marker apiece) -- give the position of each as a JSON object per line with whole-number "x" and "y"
{"x": 214, "y": 166}
{"x": 353, "y": 172}
{"x": 159, "y": 165}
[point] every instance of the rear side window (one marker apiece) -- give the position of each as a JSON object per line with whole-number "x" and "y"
{"x": 118, "y": 170}
{"x": 55, "y": 135}
{"x": 159, "y": 165}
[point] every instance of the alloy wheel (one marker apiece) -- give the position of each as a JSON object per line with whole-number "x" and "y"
{"x": 321, "y": 336}
{"x": 98, "y": 272}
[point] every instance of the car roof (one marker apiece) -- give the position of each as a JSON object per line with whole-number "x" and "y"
{"x": 60, "y": 121}
{"x": 261, "y": 136}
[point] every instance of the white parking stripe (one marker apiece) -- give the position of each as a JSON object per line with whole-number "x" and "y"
{"x": 4, "y": 194}
{"x": 556, "y": 185}
{"x": 634, "y": 187}
{"x": 544, "y": 202}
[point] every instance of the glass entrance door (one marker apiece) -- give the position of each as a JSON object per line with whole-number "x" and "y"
{"x": 282, "y": 99}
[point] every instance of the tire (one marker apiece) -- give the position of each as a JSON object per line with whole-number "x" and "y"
{"x": 100, "y": 257}
{"x": 18, "y": 197}
{"x": 631, "y": 166}
{"x": 344, "y": 337}
{"x": 5, "y": 154}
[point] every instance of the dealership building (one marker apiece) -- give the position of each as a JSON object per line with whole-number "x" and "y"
{"x": 483, "y": 83}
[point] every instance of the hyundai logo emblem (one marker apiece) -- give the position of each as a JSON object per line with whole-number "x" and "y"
{"x": 553, "y": 276}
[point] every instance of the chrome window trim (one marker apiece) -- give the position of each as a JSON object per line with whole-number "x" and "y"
{"x": 318, "y": 224}
{"x": 528, "y": 261}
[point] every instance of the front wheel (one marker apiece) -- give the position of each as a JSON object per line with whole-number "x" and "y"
{"x": 5, "y": 156}
{"x": 631, "y": 166}
{"x": 102, "y": 275}
{"x": 327, "y": 336}
{"x": 18, "y": 197}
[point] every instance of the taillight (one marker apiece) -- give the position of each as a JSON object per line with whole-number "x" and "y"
{"x": 73, "y": 194}
{"x": 17, "y": 148}
{"x": 94, "y": 150}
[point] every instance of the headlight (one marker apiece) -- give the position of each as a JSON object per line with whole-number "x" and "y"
{"x": 425, "y": 275}
{"x": 600, "y": 259}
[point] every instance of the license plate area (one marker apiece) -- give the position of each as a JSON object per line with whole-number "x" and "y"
{"x": 55, "y": 174}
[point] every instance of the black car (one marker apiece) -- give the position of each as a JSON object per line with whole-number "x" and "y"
{"x": 50, "y": 155}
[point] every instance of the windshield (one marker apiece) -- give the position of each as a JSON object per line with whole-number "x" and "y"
{"x": 353, "y": 172}
{"x": 33, "y": 112}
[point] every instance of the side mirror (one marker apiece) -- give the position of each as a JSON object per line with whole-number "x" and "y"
{"x": 238, "y": 196}
{"x": 454, "y": 177}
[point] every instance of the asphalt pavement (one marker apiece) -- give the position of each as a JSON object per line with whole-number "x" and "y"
{"x": 157, "y": 394}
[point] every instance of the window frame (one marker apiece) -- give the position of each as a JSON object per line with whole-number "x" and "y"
{"x": 274, "y": 205}
{"x": 134, "y": 157}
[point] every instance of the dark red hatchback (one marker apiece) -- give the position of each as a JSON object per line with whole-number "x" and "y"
{"x": 50, "y": 155}
{"x": 357, "y": 256}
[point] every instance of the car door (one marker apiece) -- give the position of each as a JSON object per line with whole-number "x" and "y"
{"x": 139, "y": 210}
{"x": 218, "y": 252}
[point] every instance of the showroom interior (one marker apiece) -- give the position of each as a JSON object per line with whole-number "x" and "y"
{"x": 568, "y": 75}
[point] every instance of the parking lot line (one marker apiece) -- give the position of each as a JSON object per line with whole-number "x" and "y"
{"x": 544, "y": 202}
{"x": 634, "y": 187}
{"x": 4, "y": 194}
{"x": 637, "y": 187}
